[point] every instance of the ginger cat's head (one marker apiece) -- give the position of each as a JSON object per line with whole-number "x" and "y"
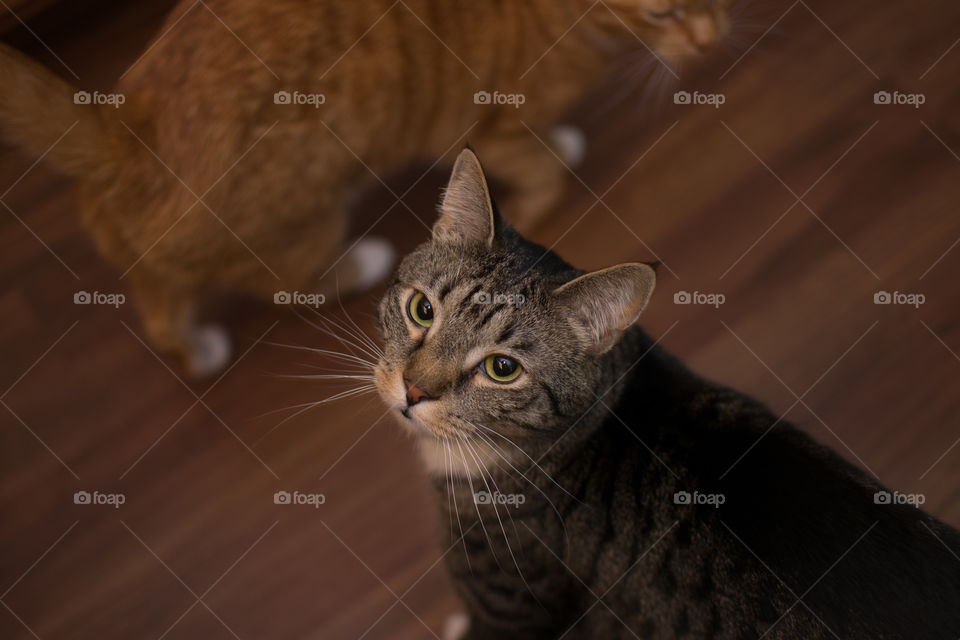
{"x": 675, "y": 29}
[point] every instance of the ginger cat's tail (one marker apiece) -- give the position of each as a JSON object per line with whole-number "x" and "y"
{"x": 37, "y": 108}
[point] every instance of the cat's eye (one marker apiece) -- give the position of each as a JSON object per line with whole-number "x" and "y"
{"x": 501, "y": 368}
{"x": 420, "y": 310}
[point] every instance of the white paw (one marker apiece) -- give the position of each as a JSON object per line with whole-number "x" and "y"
{"x": 456, "y": 626}
{"x": 571, "y": 144}
{"x": 210, "y": 348}
{"x": 374, "y": 257}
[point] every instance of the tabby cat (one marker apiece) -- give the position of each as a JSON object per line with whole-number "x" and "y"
{"x": 248, "y": 126}
{"x": 585, "y": 471}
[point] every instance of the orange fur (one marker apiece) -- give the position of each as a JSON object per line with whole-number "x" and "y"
{"x": 200, "y": 120}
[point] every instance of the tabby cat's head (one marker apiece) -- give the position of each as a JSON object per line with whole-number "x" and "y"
{"x": 675, "y": 29}
{"x": 493, "y": 343}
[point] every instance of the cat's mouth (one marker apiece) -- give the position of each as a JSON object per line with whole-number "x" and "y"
{"x": 444, "y": 446}
{"x": 415, "y": 418}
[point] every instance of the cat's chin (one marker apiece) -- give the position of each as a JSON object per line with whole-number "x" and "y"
{"x": 442, "y": 457}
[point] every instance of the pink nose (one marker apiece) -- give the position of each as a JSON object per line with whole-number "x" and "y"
{"x": 414, "y": 393}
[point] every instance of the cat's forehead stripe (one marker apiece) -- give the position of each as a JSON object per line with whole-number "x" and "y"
{"x": 446, "y": 289}
{"x": 492, "y": 312}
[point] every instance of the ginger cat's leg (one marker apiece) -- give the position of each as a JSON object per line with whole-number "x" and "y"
{"x": 168, "y": 316}
{"x": 533, "y": 166}
{"x": 312, "y": 257}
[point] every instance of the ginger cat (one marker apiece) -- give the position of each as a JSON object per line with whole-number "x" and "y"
{"x": 248, "y": 125}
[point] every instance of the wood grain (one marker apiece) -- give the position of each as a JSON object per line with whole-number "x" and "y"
{"x": 798, "y": 199}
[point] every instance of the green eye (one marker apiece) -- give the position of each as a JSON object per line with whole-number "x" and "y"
{"x": 420, "y": 310}
{"x": 502, "y": 369}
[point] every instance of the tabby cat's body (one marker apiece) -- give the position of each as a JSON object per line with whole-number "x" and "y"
{"x": 606, "y": 470}
{"x": 796, "y": 521}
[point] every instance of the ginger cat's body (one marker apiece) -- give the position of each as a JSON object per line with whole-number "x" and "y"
{"x": 200, "y": 121}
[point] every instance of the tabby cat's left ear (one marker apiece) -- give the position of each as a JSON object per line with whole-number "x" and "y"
{"x": 466, "y": 211}
{"x": 603, "y": 304}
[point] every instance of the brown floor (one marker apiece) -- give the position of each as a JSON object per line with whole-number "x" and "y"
{"x": 797, "y": 200}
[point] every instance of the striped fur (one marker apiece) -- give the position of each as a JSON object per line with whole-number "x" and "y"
{"x": 399, "y": 80}
{"x": 601, "y": 446}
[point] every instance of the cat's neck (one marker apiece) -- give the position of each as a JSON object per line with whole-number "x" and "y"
{"x": 639, "y": 380}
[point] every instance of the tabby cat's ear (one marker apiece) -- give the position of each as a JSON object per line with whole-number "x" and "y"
{"x": 603, "y": 304}
{"x": 466, "y": 211}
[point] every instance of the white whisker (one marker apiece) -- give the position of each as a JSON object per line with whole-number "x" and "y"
{"x": 323, "y": 376}
{"x": 353, "y": 344}
{"x": 496, "y": 450}
{"x": 333, "y": 354}
{"x": 448, "y": 461}
{"x": 361, "y": 334}
{"x": 306, "y": 406}
{"x": 473, "y": 498}
{"x": 496, "y": 511}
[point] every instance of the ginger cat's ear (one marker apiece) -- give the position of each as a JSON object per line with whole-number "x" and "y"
{"x": 466, "y": 212}
{"x": 605, "y": 303}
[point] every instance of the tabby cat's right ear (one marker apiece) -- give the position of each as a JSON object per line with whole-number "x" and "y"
{"x": 603, "y": 304}
{"x": 466, "y": 211}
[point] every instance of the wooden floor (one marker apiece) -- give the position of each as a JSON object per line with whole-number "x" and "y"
{"x": 797, "y": 200}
